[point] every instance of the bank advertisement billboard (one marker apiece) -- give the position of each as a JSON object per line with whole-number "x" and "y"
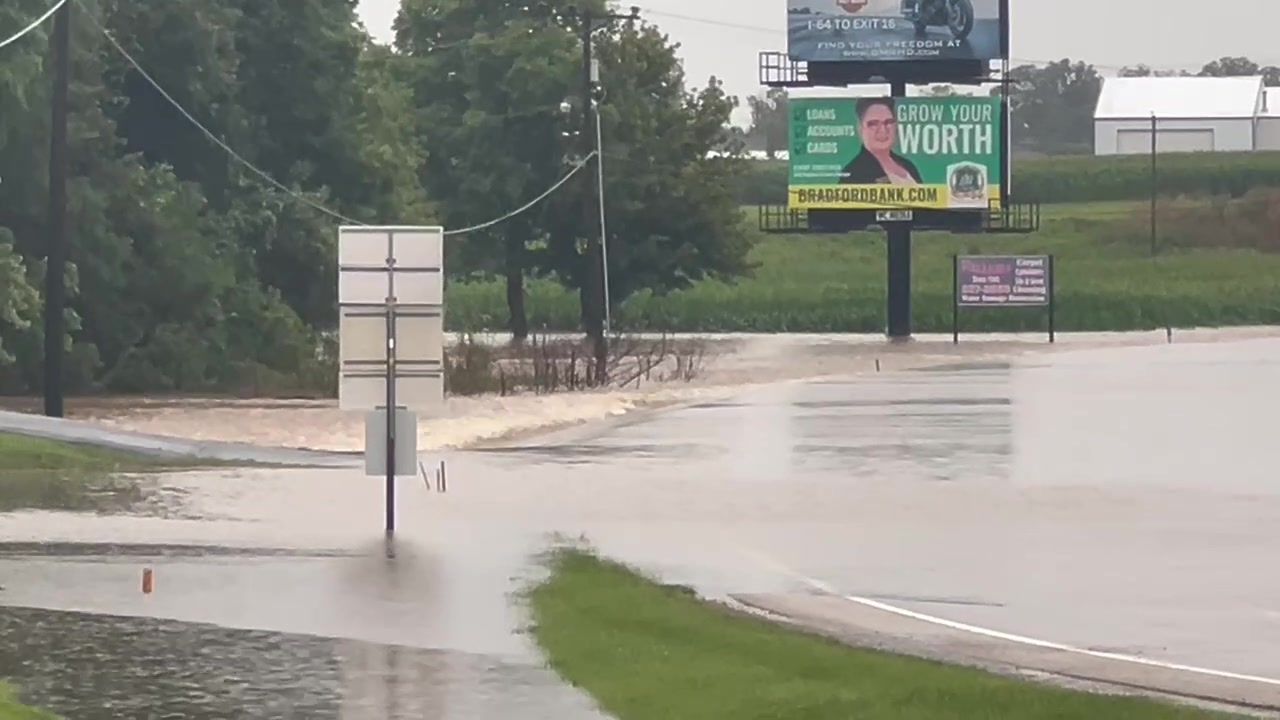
{"x": 928, "y": 153}
{"x": 891, "y": 30}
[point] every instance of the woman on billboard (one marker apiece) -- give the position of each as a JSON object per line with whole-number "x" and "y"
{"x": 877, "y": 163}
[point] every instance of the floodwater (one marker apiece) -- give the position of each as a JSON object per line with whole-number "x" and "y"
{"x": 1119, "y": 498}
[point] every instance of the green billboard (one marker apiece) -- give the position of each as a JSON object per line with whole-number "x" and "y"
{"x": 936, "y": 153}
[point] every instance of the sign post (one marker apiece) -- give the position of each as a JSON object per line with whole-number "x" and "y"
{"x": 1001, "y": 281}
{"x": 391, "y": 340}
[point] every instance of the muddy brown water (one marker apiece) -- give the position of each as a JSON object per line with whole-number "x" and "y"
{"x": 1118, "y": 498}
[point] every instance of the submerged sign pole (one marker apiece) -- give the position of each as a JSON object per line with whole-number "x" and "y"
{"x": 391, "y": 408}
{"x": 391, "y": 342}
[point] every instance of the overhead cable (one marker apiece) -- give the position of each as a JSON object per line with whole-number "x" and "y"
{"x": 293, "y": 193}
{"x": 34, "y": 24}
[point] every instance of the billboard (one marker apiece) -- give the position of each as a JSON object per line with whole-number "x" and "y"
{"x": 928, "y": 153}
{"x": 1018, "y": 280}
{"x": 891, "y": 30}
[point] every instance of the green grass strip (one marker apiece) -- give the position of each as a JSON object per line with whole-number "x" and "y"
{"x": 19, "y": 452}
{"x": 11, "y": 709}
{"x": 645, "y": 651}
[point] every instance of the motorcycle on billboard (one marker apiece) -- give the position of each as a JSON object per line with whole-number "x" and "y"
{"x": 955, "y": 15}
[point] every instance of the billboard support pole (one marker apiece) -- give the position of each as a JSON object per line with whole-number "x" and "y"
{"x": 898, "y": 262}
{"x": 955, "y": 299}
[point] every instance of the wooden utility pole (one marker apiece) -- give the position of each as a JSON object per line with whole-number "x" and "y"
{"x": 55, "y": 298}
{"x": 596, "y": 305}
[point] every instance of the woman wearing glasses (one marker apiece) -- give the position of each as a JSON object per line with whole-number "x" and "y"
{"x": 877, "y": 163}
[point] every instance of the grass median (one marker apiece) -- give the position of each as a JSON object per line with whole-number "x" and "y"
{"x": 11, "y": 709}
{"x": 38, "y": 474}
{"x": 645, "y": 651}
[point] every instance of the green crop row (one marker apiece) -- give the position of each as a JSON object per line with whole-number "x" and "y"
{"x": 1106, "y": 280}
{"x": 1087, "y": 178}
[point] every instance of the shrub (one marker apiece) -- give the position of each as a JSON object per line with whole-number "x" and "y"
{"x": 544, "y": 364}
{"x": 1251, "y": 222}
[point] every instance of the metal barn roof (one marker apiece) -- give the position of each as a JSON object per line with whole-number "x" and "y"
{"x": 1127, "y": 98}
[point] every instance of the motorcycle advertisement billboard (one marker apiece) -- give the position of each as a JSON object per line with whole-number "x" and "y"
{"x": 872, "y": 153}
{"x": 892, "y": 30}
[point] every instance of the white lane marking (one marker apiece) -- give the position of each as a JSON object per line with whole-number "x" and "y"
{"x": 1019, "y": 639}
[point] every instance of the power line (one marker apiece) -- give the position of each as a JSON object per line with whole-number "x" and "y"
{"x": 208, "y": 133}
{"x": 717, "y": 23}
{"x": 292, "y": 193}
{"x": 482, "y": 226}
{"x": 35, "y": 24}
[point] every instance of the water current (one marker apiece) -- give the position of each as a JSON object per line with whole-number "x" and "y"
{"x": 1117, "y": 496}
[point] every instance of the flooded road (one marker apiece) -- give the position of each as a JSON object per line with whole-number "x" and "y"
{"x": 1117, "y": 498}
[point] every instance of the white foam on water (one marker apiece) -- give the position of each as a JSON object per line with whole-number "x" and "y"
{"x": 735, "y": 364}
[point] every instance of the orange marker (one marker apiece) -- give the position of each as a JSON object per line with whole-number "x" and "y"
{"x": 148, "y": 581}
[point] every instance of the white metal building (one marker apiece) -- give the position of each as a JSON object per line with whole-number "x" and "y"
{"x": 1192, "y": 114}
{"x": 1268, "y": 137}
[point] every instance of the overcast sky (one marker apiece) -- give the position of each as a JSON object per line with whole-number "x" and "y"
{"x": 1172, "y": 34}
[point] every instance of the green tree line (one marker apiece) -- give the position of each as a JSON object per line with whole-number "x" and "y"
{"x": 192, "y": 272}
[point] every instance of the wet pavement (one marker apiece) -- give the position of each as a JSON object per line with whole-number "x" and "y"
{"x": 1118, "y": 499}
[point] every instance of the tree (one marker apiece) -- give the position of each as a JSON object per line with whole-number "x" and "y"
{"x": 769, "y": 122}
{"x": 19, "y": 300}
{"x": 163, "y": 294}
{"x": 489, "y": 78}
{"x": 190, "y": 272}
{"x": 1228, "y": 66}
{"x": 1052, "y": 107}
{"x": 673, "y": 216}
{"x": 21, "y": 81}
{"x": 300, "y": 91}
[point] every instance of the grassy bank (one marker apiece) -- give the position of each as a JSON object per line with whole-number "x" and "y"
{"x": 11, "y": 709}
{"x": 645, "y": 651}
{"x": 38, "y": 474}
{"x": 1107, "y": 280}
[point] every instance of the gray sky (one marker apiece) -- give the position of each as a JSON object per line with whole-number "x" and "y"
{"x": 1107, "y": 33}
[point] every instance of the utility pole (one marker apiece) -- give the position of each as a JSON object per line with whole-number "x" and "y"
{"x": 596, "y": 306}
{"x": 55, "y": 299}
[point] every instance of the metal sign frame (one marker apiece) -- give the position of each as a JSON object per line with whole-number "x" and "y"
{"x": 391, "y": 286}
{"x": 1047, "y": 301}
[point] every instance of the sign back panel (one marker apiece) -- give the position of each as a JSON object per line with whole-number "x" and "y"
{"x": 893, "y": 30}
{"x": 936, "y": 153}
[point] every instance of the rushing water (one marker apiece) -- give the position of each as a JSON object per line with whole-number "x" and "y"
{"x": 1117, "y": 498}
